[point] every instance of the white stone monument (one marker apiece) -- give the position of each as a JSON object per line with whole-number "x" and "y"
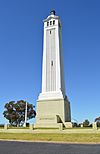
{"x": 53, "y": 106}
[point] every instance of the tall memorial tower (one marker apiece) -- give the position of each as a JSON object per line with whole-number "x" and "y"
{"x": 53, "y": 106}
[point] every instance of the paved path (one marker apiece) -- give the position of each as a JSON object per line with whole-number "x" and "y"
{"x": 13, "y": 147}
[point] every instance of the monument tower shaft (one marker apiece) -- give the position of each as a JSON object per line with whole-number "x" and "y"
{"x": 53, "y": 106}
{"x": 52, "y": 67}
{"x": 53, "y": 78}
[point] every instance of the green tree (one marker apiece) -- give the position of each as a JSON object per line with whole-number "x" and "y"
{"x": 86, "y": 123}
{"x": 98, "y": 121}
{"x": 15, "y": 112}
{"x": 75, "y": 124}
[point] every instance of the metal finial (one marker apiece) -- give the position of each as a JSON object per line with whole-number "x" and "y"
{"x": 53, "y": 12}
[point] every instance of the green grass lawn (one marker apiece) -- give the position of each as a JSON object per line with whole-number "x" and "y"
{"x": 84, "y": 138}
{"x": 1, "y": 127}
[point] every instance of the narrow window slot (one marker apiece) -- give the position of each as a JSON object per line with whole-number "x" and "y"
{"x": 47, "y": 23}
{"x": 50, "y": 22}
{"x": 52, "y": 63}
{"x": 53, "y": 22}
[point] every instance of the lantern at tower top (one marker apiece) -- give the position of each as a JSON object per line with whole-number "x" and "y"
{"x": 53, "y": 12}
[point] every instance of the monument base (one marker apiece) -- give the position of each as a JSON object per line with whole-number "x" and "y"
{"x": 52, "y": 113}
{"x": 52, "y": 126}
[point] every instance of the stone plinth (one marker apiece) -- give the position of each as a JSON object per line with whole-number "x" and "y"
{"x": 31, "y": 126}
{"x": 68, "y": 125}
{"x": 6, "y": 126}
{"x": 81, "y": 125}
{"x": 52, "y": 112}
{"x": 94, "y": 125}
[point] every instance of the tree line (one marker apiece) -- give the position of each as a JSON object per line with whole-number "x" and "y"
{"x": 86, "y": 123}
{"x": 15, "y": 113}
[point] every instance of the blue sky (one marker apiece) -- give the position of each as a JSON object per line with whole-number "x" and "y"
{"x": 21, "y": 38}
